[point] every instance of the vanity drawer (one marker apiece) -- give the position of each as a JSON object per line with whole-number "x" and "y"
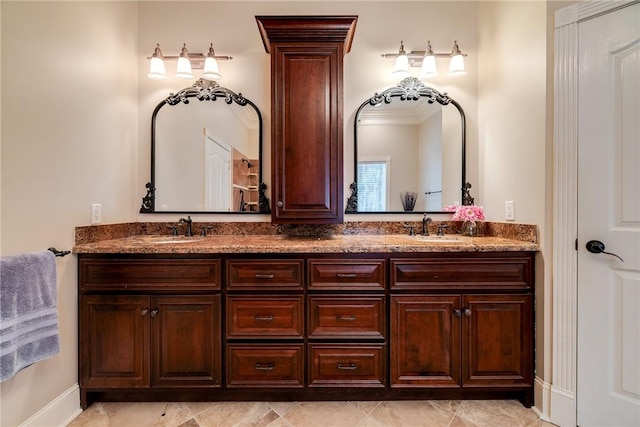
{"x": 506, "y": 272}
{"x": 346, "y": 365}
{"x": 346, "y": 317}
{"x": 149, "y": 274}
{"x": 265, "y": 317}
{"x": 264, "y": 274}
{"x": 262, "y": 365}
{"x": 349, "y": 274}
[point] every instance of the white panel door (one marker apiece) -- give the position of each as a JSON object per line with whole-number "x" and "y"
{"x": 608, "y": 381}
{"x": 217, "y": 174}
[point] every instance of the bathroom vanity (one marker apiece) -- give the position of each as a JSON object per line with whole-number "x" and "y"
{"x": 278, "y": 318}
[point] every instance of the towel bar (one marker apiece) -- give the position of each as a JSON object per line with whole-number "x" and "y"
{"x": 58, "y": 253}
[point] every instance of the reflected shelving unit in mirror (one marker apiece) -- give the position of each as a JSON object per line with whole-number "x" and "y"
{"x": 409, "y": 139}
{"x": 206, "y": 153}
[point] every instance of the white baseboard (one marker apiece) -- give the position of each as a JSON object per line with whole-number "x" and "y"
{"x": 59, "y": 412}
{"x": 563, "y": 408}
{"x": 542, "y": 399}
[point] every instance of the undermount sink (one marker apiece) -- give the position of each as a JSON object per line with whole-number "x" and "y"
{"x": 442, "y": 239}
{"x": 163, "y": 240}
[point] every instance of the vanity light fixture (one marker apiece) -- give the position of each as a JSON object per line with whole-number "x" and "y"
{"x": 186, "y": 62}
{"x": 426, "y": 59}
{"x": 401, "y": 68}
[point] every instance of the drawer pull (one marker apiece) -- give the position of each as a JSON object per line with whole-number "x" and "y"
{"x": 349, "y": 318}
{"x": 265, "y": 276}
{"x": 265, "y": 366}
{"x": 267, "y": 317}
{"x": 349, "y": 367}
{"x": 346, "y": 275}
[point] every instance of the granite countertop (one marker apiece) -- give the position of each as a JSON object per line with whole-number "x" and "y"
{"x": 353, "y": 243}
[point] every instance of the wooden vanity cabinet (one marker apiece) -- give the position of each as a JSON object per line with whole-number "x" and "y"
{"x": 346, "y": 322}
{"x": 463, "y": 322}
{"x": 149, "y": 323}
{"x": 306, "y": 326}
{"x": 307, "y": 114}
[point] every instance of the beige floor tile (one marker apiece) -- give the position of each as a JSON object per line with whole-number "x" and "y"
{"x": 325, "y": 414}
{"x": 237, "y": 414}
{"x": 93, "y": 416}
{"x": 408, "y": 413}
{"x": 282, "y": 408}
{"x": 459, "y": 422}
{"x": 547, "y": 424}
{"x": 146, "y": 414}
{"x": 280, "y": 422}
{"x": 497, "y": 413}
{"x": 449, "y": 405}
{"x": 367, "y": 406}
{"x": 189, "y": 423}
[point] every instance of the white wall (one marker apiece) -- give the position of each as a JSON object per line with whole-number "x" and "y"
{"x": 513, "y": 157}
{"x": 69, "y": 135}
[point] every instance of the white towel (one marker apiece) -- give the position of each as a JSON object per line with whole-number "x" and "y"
{"x": 28, "y": 312}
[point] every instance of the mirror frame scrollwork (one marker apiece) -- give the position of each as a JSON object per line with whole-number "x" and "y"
{"x": 203, "y": 90}
{"x": 409, "y": 89}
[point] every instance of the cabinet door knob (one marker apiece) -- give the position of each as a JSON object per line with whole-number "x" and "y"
{"x": 457, "y": 312}
{"x": 154, "y": 312}
{"x": 467, "y": 312}
{"x": 144, "y": 312}
{"x": 279, "y": 204}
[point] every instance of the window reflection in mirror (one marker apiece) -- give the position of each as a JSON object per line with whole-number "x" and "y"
{"x": 206, "y": 153}
{"x": 409, "y": 138}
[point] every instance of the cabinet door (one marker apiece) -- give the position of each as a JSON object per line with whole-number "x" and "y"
{"x": 186, "y": 341}
{"x": 114, "y": 341}
{"x": 425, "y": 341}
{"x": 307, "y": 133}
{"x": 497, "y": 341}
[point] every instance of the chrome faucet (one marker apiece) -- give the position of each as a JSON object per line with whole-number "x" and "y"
{"x": 189, "y": 222}
{"x": 425, "y": 222}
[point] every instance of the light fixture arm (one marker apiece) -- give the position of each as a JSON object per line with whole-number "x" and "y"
{"x": 196, "y": 58}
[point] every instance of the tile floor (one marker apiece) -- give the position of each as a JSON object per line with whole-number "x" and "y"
{"x": 428, "y": 413}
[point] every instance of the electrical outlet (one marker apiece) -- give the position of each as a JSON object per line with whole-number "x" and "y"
{"x": 509, "y": 210}
{"x": 96, "y": 213}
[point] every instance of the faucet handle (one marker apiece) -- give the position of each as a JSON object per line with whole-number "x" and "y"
{"x": 440, "y": 231}
{"x": 174, "y": 229}
{"x": 412, "y": 231}
{"x": 204, "y": 230}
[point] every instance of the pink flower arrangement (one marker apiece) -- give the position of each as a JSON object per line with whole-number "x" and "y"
{"x": 466, "y": 213}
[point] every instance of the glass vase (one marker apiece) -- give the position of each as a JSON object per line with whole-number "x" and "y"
{"x": 469, "y": 228}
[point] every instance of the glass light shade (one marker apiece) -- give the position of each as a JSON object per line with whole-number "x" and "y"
{"x": 401, "y": 68}
{"x": 183, "y": 70}
{"x": 429, "y": 68}
{"x": 456, "y": 66}
{"x": 157, "y": 70}
{"x": 211, "y": 71}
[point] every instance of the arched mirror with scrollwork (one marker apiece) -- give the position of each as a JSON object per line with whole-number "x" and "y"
{"x": 409, "y": 152}
{"x": 206, "y": 153}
